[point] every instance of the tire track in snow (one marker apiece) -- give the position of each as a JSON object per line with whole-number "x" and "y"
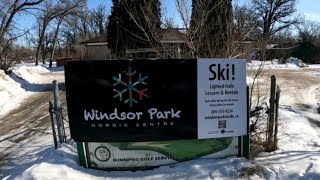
{"x": 312, "y": 107}
{"x": 26, "y": 131}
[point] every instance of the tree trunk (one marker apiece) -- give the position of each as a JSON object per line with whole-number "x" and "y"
{"x": 55, "y": 41}
{"x": 60, "y": 51}
{"x": 6, "y": 28}
{"x": 38, "y": 54}
{"x": 44, "y": 53}
{"x": 264, "y": 43}
{"x": 38, "y": 50}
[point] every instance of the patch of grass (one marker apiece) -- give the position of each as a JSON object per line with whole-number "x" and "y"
{"x": 250, "y": 170}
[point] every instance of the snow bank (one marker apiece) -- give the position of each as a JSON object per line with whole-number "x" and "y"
{"x": 9, "y": 89}
{"x": 296, "y": 62}
{"x": 290, "y": 63}
{"x": 8, "y": 85}
{"x": 24, "y": 80}
{"x": 63, "y": 164}
{"x": 31, "y": 74}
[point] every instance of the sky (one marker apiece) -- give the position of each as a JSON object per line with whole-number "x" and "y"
{"x": 168, "y": 7}
{"x": 309, "y": 8}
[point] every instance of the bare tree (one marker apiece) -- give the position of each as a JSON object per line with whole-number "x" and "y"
{"x": 47, "y": 41}
{"x": 211, "y": 26}
{"x": 245, "y": 22}
{"x": 70, "y": 9}
{"x": 145, "y": 17}
{"x": 99, "y": 18}
{"x": 134, "y": 26}
{"x": 52, "y": 10}
{"x": 8, "y": 10}
{"x": 5, "y": 51}
{"x": 55, "y": 37}
{"x": 273, "y": 16}
{"x": 309, "y": 31}
{"x": 244, "y": 28}
{"x": 83, "y": 23}
{"x": 48, "y": 13}
{"x": 309, "y": 42}
{"x": 12, "y": 53}
{"x": 74, "y": 30}
{"x": 184, "y": 10}
{"x": 169, "y": 23}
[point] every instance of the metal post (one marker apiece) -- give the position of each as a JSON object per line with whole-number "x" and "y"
{"x": 244, "y": 141}
{"x": 57, "y": 110}
{"x": 82, "y": 148}
{"x": 51, "y": 110}
{"x": 246, "y": 138}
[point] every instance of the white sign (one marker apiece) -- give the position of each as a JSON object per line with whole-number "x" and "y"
{"x": 222, "y": 98}
{"x": 149, "y": 154}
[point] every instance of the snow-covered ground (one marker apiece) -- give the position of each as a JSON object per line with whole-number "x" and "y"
{"x": 298, "y": 156}
{"x": 25, "y": 79}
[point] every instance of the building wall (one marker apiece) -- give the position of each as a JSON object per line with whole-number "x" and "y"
{"x": 98, "y": 53}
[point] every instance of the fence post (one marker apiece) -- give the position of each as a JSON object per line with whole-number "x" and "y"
{"x": 276, "y": 118}
{"x": 57, "y": 109}
{"x": 51, "y": 110}
{"x": 270, "y": 145}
